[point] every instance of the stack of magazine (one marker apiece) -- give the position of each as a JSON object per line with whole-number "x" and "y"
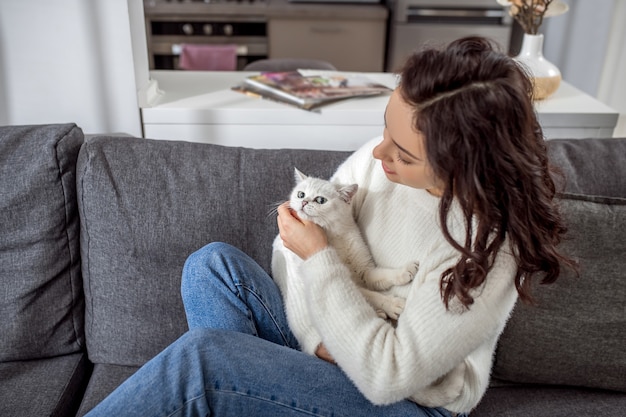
{"x": 310, "y": 91}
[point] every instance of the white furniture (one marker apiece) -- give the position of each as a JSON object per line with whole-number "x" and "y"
{"x": 201, "y": 107}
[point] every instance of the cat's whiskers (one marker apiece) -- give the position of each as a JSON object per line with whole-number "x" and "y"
{"x": 273, "y": 211}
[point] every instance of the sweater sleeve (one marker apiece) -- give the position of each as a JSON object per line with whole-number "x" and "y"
{"x": 387, "y": 363}
{"x": 286, "y": 274}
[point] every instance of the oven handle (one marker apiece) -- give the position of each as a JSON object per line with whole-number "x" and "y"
{"x": 460, "y": 13}
{"x": 485, "y": 16}
{"x": 242, "y": 50}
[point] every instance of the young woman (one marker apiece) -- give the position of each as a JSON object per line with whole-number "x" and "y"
{"x": 460, "y": 182}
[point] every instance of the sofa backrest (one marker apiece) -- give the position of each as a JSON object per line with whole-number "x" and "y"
{"x": 146, "y": 205}
{"x": 591, "y": 167}
{"x": 576, "y": 333}
{"x": 41, "y": 296}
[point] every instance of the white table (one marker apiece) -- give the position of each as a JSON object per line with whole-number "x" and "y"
{"x": 201, "y": 107}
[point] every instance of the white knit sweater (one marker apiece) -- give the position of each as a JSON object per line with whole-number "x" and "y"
{"x": 435, "y": 357}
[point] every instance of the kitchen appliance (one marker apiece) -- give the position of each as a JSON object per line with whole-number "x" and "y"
{"x": 172, "y": 23}
{"x": 337, "y": 1}
{"x": 414, "y": 23}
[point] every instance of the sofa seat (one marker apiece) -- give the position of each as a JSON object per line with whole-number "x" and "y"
{"x": 43, "y": 387}
{"x": 104, "y": 379}
{"x": 548, "y": 401}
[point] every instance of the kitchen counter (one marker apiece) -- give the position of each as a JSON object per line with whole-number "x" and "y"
{"x": 201, "y": 107}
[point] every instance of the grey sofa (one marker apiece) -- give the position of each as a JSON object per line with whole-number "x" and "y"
{"x": 94, "y": 233}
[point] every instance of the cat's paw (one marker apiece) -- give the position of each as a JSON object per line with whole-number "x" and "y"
{"x": 382, "y": 314}
{"x": 409, "y": 272}
{"x": 391, "y": 308}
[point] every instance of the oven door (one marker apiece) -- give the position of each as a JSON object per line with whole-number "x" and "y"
{"x": 167, "y": 34}
{"x": 414, "y": 26}
{"x": 408, "y": 38}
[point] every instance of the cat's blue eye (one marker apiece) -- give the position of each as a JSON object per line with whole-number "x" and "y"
{"x": 300, "y": 194}
{"x": 320, "y": 200}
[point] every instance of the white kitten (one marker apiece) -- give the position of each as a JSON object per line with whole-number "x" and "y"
{"x": 328, "y": 205}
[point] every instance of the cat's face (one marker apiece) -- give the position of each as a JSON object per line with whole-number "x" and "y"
{"x": 321, "y": 201}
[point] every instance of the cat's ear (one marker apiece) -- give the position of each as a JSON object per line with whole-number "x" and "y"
{"x": 348, "y": 192}
{"x": 299, "y": 175}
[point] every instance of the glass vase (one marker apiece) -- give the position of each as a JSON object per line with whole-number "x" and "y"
{"x": 544, "y": 74}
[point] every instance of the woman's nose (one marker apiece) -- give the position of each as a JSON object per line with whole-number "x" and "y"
{"x": 381, "y": 151}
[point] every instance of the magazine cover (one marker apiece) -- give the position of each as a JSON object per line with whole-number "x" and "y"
{"x": 310, "y": 91}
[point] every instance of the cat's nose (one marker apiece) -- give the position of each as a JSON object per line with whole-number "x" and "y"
{"x": 304, "y": 203}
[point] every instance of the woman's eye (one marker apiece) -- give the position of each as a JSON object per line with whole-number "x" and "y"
{"x": 320, "y": 200}
{"x": 300, "y": 194}
{"x": 402, "y": 160}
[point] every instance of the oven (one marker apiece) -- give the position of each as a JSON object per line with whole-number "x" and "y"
{"x": 414, "y": 23}
{"x": 173, "y": 23}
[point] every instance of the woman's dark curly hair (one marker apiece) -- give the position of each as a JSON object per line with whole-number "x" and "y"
{"x": 474, "y": 107}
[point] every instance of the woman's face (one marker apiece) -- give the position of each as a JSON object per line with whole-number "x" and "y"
{"x": 402, "y": 151}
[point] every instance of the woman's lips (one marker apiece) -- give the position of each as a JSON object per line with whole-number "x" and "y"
{"x": 386, "y": 169}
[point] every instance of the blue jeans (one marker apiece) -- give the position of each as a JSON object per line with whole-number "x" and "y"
{"x": 239, "y": 357}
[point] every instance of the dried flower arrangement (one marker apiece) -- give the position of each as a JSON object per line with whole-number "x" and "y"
{"x": 530, "y": 13}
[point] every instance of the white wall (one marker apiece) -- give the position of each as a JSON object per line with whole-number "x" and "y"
{"x": 85, "y": 61}
{"x": 69, "y": 61}
{"x": 612, "y": 88}
{"x": 588, "y": 45}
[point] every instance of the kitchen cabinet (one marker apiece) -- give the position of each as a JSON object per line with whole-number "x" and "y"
{"x": 350, "y": 45}
{"x": 350, "y": 36}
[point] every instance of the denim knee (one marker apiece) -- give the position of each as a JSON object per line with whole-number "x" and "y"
{"x": 210, "y": 251}
{"x": 209, "y": 255}
{"x": 204, "y": 339}
{"x": 194, "y": 339}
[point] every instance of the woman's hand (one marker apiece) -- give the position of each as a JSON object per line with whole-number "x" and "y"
{"x": 322, "y": 353}
{"x": 302, "y": 237}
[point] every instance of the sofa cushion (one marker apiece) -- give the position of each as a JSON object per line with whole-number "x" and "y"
{"x": 146, "y": 205}
{"x": 576, "y": 333}
{"x": 591, "y": 166}
{"x": 41, "y": 300}
{"x": 44, "y": 387}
